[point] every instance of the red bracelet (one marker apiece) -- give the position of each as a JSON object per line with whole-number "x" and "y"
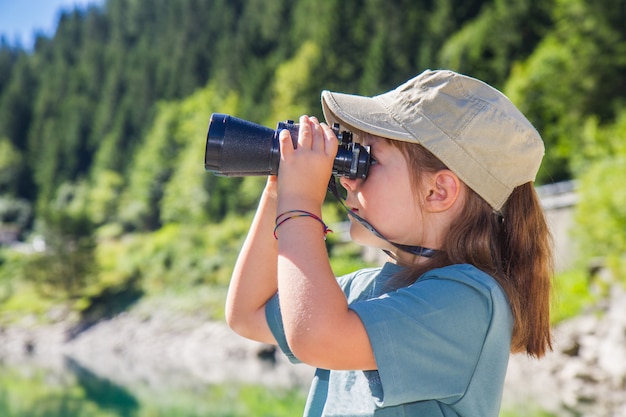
{"x": 298, "y": 213}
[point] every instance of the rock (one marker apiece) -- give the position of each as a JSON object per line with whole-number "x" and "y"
{"x": 161, "y": 350}
{"x": 585, "y": 375}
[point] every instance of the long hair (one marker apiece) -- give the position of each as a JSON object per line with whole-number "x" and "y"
{"x": 515, "y": 247}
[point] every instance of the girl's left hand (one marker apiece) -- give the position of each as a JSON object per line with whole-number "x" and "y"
{"x": 304, "y": 172}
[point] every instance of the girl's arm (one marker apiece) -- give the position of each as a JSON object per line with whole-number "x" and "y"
{"x": 253, "y": 281}
{"x": 319, "y": 327}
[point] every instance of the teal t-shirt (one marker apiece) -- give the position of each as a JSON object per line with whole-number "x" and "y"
{"x": 441, "y": 346}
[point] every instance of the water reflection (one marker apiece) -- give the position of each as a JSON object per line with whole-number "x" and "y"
{"x": 102, "y": 392}
{"x": 66, "y": 388}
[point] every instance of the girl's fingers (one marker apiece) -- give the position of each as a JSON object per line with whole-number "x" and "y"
{"x": 305, "y": 138}
{"x": 312, "y": 135}
{"x": 331, "y": 142}
{"x": 286, "y": 144}
{"x": 317, "y": 135}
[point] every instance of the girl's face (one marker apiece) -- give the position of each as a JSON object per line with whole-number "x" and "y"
{"x": 386, "y": 199}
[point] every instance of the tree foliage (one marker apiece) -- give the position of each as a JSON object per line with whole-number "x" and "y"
{"x": 576, "y": 72}
{"x": 68, "y": 265}
{"x": 115, "y": 106}
{"x": 601, "y": 211}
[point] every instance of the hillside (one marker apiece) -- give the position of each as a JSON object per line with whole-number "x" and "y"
{"x": 103, "y": 199}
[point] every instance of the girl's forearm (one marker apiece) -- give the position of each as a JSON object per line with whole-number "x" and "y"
{"x": 253, "y": 281}
{"x": 311, "y": 301}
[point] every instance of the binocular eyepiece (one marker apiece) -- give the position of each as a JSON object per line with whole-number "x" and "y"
{"x": 239, "y": 148}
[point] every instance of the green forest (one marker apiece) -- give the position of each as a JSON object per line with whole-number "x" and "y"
{"x": 103, "y": 194}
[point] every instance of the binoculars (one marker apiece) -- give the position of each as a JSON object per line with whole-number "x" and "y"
{"x": 239, "y": 148}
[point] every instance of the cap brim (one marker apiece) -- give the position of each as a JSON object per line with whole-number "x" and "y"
{"x": 368, "y": 114}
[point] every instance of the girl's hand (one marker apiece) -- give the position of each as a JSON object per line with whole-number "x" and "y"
{"x": 271, "y": 187}
{"x": 304, "y": 172}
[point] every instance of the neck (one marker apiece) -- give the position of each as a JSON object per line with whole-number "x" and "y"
{"x": 410, "y": 249}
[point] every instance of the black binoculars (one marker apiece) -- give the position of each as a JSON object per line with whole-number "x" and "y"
{"x": 239, "y": 148}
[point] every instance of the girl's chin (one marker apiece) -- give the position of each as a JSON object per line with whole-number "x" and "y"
{"x": 363, "y": 236}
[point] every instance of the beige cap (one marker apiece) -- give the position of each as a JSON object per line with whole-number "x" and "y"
{"x": 470, "y": 126}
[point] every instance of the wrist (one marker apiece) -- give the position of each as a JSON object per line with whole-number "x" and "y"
{"x": 285, "y": 216}
{"x": 310, "y": 205}
{"x": 269, "y": 196}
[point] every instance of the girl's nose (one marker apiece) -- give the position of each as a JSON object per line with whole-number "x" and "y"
{"x": 348, "y": 184}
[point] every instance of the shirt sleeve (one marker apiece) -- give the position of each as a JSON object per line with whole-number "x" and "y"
{"x": 274, "y": 318}
{"x": 427, "y": 338}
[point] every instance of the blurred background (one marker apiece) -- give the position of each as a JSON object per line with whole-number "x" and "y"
{"x": 116, "y": 246}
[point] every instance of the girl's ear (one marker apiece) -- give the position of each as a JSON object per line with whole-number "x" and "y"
{"x": 444, "y": 189}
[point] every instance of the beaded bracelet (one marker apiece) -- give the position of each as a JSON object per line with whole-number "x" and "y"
{"x": 298, "y": 213}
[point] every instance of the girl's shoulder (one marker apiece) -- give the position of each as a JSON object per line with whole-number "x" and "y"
{"x": 366, "y": 274}
{"x": 465, "y": 275}
{"x": 367, "y": 281}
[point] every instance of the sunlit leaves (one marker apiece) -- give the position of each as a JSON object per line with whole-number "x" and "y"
{"x": 291, "y": 83}
{"x": 601, "y": 211}
{"x": 573, "y": 74}
{"x": 185, "y": 198}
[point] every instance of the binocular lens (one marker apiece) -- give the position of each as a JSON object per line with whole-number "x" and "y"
{"x": 238, "y": 148}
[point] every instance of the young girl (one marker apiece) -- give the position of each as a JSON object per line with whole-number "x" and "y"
{"x": 450, "y": 197}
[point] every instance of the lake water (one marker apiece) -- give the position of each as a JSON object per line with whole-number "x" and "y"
{"x": 62, "y": 387}
{"x": 67, "y": 389}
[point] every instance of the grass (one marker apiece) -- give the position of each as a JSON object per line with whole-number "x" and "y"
{"x": 573, "y": 292}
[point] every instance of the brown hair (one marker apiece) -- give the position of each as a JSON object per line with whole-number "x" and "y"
{"x": 514, "y": 247}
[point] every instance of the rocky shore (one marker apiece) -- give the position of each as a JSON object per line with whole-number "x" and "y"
{"x": 585, "y": 375}
{"x": 160, "y": 350}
